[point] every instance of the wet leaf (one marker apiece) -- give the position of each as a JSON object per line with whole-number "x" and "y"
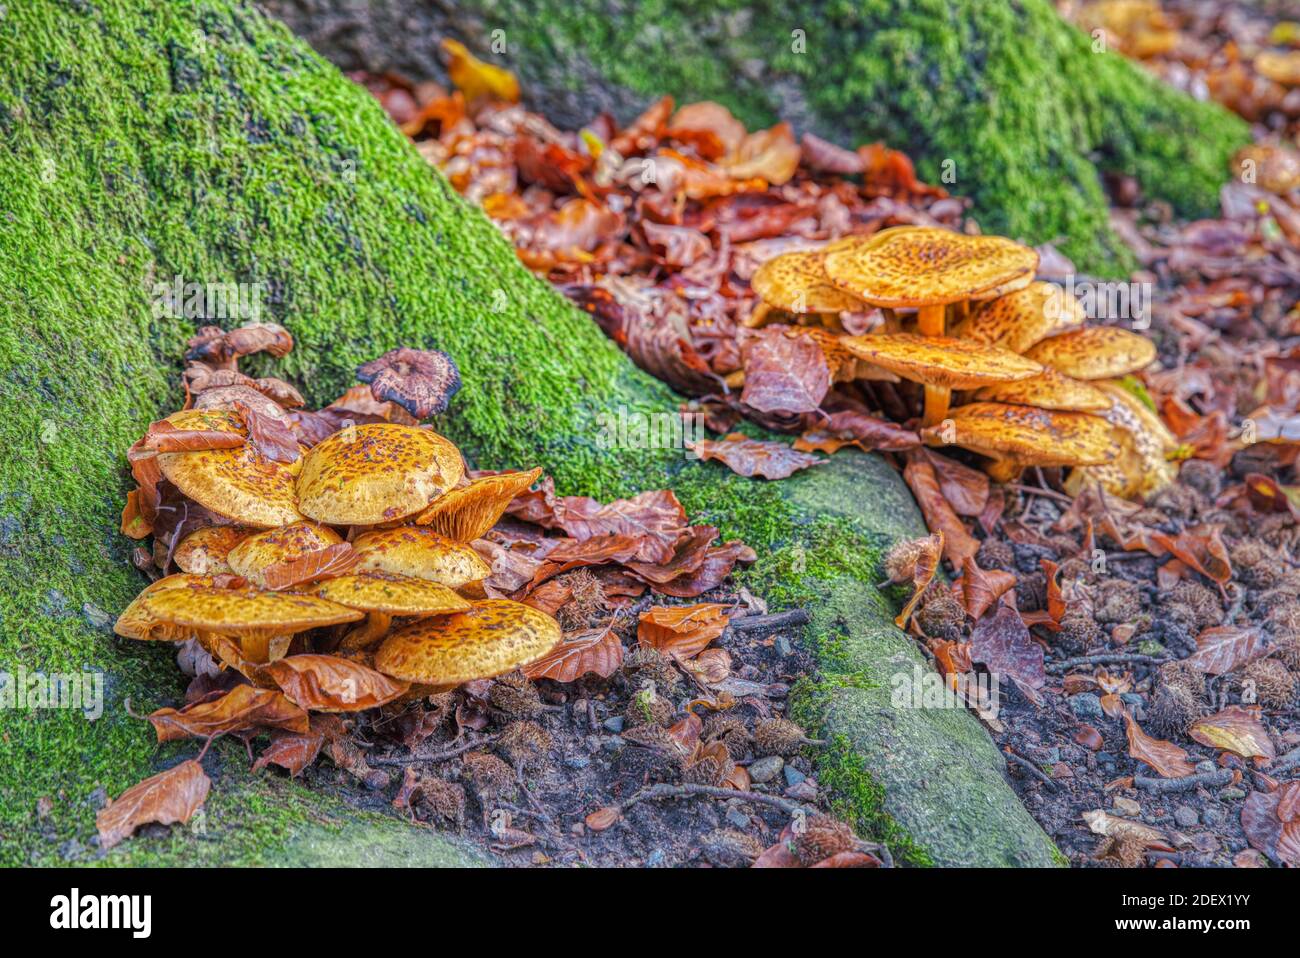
{"x": 597, "y": 651}
{"x": 327, "y": 683}
{"x": 293, "y": 751}
{"x": 326, "y": 563}
{"x": 1002, "y": 643}
{"x": 682, "y": 631}
{"x": 921, "y": 478}
{"x": 243, "y": 707}
{"x": 1236, "y": 729}
{"x": 1168, "y": 760}
{"x": 755, "y": 457}
{"x": 603, "y": 818}
{"x": 1225, "y": 648}
{"x": 166, "y": 798}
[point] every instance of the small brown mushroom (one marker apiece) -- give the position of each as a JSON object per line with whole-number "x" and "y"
{"x": 421, "y": 381}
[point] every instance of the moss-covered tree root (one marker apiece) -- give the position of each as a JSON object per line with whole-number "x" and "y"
{"x": 197, "y": 142}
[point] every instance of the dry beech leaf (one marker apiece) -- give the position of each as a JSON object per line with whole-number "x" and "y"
{"x": 1224, "y": 648}
{"x": 784, "y": 375}
{"x": 597, "y": 651}
{"x": 603, "y": 818}
{"x": 682, "y": 631}
{"x": 243, "y": 707}
{"x": 1235, "y": 729}
{"x": 966, "y": 489}
{"x": 327, "y": 563}
{"x": 293, "y": 751}
{"x": 1169, "y": 760}
{"x": 711, "y": 666}
{"x": 925, "y": 563}
{"x": 981, "y": 588}
{"x": 1001, "y": 642}
{"x": 755, "y": 457}
{"x": 269, "y": 435}
{"x": 922, "y": 479}
{"x": 162, "y": 436}
{"x": 1271, "y": 824}
{"x": 327, "y": 683}
{"x": 166, "y": 798}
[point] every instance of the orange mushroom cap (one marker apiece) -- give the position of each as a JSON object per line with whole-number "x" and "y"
{"x": 1026, "y": 434}
{"x": 205, "y": 551}
{"x": 420, "y": 552}
{"x": 941, "y": 360}
{"x": 136, "y": 623}
{"x": 493, "y": 637}
{"x": 797, "y": 283}
{"x": 1097, "y": 352}
{"x": 376, "y": 473}
{"x": 927, "y": 266}
{"x": 391, "y": 594}
{"x": 1022, "y": 318}
{"x": 244, "y": 612}
{"x": 252, "y": 556}
{"x": 1048, "y": 390}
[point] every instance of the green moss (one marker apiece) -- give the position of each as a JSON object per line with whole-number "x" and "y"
{"x": 1006, "y": 97}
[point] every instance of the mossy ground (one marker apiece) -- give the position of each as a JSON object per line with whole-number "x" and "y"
{"x": 1006, "y": 97}
{"x": 198, "y": 140}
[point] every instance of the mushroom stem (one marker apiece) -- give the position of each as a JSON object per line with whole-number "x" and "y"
{"x": 936, "y": 405}
{"x": 929, "y": 320}
{"x": 1004, "y": 470}
{"x": 262, "y": 647}
{"x": 368, "y": 633}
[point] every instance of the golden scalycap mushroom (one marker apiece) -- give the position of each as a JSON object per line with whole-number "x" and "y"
{"x": 493, "y": 637}
{"x": 1022, "y": 318}
{"x": 136, "y": 623}
{"x": 927, "y": 267}
{"x": 207, "y": 420}
{"x": 466, "y": 513}
{"x": 391, "y": 594}
{"x": 255, "y": 618}
{"x": 376, "y": 473}
{"x": 1097, "y": 352}
{"x": 252, "y": 556}
{"x": 1026, "y": 434}
{"x": 205, "y": 551}
{"x": 238, "y": 483}
{"x": 1048, "y": 390}
{"x": 797, "y": 283}
{"x": 1143, "y": 467}
{"x": 419, "y": 552}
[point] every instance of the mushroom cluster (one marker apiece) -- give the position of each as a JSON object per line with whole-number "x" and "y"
{"x": 1034, "y": 385}
{"x": 343, "y": 532}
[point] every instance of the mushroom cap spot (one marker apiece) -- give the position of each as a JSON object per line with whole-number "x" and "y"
{"x": 1097, "y": 352}
{"x": 245, "y": 612}
{"x": 238, "y": 483}
{"x": 797, "y": 283}
{"x": 393, "y": 594}
{"x": 468, "y": 512}
{"x": 205, "y": 551}
{"x": 421, "y": 553}
{"x": 941, "y": 360}
{"x": 1033, "y": 436}
{"x": 493, "y": 637}
{"x": 252, "y": 556}
{"x": 1049, "y": 390}
{"x": 1022, "y": 318}
{"x": 376, "y": 473}
{"x": 136, "y": 623}
{"x": 927, "y": 266}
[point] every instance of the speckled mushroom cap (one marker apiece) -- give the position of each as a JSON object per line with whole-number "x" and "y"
{"x": 244, "y": 612}
{"x": 252, "y": 556}
{"x": 419, "y": 552}
{"x": 205, "y": 551}
{"x": 797, "y": 283}
{"x": 237, "y": 483}
{"x": 926, "y": 266}
{"x": 1048, "y": 390}
{"x": 1143, "y": 467}
{"x": 392, "y": 594}
{"x": 495, "y": 636}
{"x": 466, "y": 513}
{"x": 136, "y": 623}
{"x": 1029, "y": 435}
{"x": 376, "y": 473}
{"x": 941, "y": 360}
{"x": 1097, "y": 352}
{"x": 1022, "y": 318}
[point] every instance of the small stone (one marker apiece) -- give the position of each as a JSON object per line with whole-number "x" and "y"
{"x": 1186, "y": 816}
{"x": 1127, "y": 807}
{"x": 783, "y": 646}
{"x": 613, "y": 724}
{"x": 612, "y": 742}
{"x": 1205, "y": 766}
{"x": 804, "y": 791}
{"x": 1086, "y": 707}
{"x": 792, "y": 775}
{"x": 1232, "y": 792}
{"x": 577, "y": 761}
{"x": 765, "y": 769}
{"x": 1130, "y": 698}
{"x": 656, "y": 858}
{"x": 1213, "y": 816}
{"x": 737, "y": 818}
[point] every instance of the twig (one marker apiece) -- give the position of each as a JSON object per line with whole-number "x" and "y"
{"x": 435, "y": 756}
{"x": 1033, "y": 769}
{"x": 1037, "y": 491}
{"x": 789, "y": 619}
{"x": 1105, "y": 658}
{"x": 1220, "y": 776}
{"x": 690, "y": 790}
